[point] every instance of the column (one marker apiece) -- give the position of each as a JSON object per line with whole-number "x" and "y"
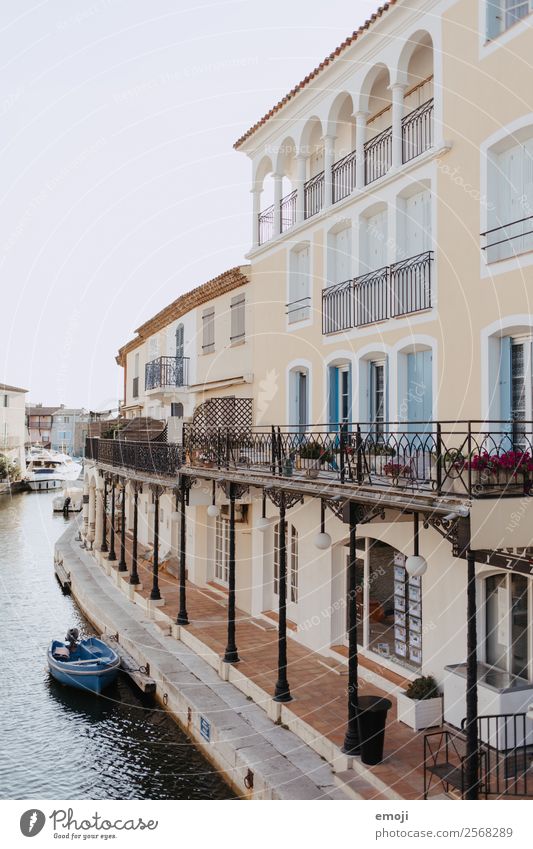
{"x": 91, "y": 532}
{"x": 103, "y": 513}
{"x": 85, "y": 506}
{"x": 397, "y": 115}
{"x": 471, "y": 728}
{"x": 301, "y": 165}
{"x": 282, "y": 691}
{"x": 231, "y": 655}
{"x": 278, "y": 188}
{"x": 351, "y": 738}
{"x": 134, "y": 574}
{"x": 155, "y": 595}
{"x": 360, "y": 139}
{"x": 329, "y": 157}
{"x": 122, "y": 565}
{"x": 112, "y": 555}
{"x": 256, "y": 209}
{"x": 182, "y": 617}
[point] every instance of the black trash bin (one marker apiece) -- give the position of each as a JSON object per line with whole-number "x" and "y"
{"x": 371, "y": 720}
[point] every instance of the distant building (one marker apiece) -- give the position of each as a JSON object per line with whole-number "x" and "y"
{"x": 39, "y": 424}
{"x": 12, "y": 423}
{"x": 69, "y": 429}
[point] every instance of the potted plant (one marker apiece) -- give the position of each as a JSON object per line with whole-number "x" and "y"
{"x": 398, "y": 470}
{"x": 313, "y": 456}
{"x": 380, "y": 454}
{"x": 420, "y": 706}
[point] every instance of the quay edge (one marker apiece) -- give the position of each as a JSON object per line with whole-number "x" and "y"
{"x": 243, "y": 739}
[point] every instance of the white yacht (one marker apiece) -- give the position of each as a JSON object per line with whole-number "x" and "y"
{"x": 48, "y": 470}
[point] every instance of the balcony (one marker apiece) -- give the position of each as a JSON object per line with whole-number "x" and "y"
{"x": 478, "y": 460}
{"x": 389, "y": 292}
{"x": 417, "y": 137}
{"x": 167, "y": 373}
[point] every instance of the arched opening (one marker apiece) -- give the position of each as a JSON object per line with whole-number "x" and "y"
{"x": 411, "y": 273}
{"x": 298, "y": 398}
{"x": 286, "y": 169}
{"x": 378, "y": 142}
{"x": 264, "y": 187}
{"x": 510, "y": 196}
{"x": 371, "y": 287}
{"x": 416, "y": 67}
{"x": 341, "y": 125}
{"x": 312, "y": 148}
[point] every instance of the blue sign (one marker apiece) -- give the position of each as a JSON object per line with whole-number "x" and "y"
{"x": 205, "y": 728}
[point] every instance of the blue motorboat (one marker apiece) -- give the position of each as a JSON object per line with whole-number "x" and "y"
{"x": 88, "y": 664}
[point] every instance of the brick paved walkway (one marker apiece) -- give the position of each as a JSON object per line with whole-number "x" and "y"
{"x": 318, "y": 690}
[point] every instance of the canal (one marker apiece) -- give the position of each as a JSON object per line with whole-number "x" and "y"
{"x": 56, "y": 743}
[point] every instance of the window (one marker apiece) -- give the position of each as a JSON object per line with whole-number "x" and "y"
{"x": 176, "y": 409}
{"x": 208, "y": 330}
{"x": 516, "y": 385}
{"x": 340, "y": 394}
{"x": 222, "y": 550}
{"x": 507, "y": 629}
{"x": 298, "y": 399}
{"x": 135, "y": 387}
{"x": 377, "y": 395}
{"x": 237, "y": 310}
{"x": 298, "y": 308}
{"x": 503, "y": 14}
{"x": 291, "y": 544}
{"x": 510, "y": 183}
{"x": 153, "y": 347}
{"x": 340, "y": 256}
{"x": 6, "y": 400}
{"x": 180, "y": 341}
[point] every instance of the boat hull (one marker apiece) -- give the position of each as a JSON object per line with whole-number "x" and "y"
{"x": 44, "y": 484}
{"x": 91, "y": 676}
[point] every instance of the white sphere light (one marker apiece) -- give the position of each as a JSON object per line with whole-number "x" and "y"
{"x": 262, "y": 524}
{"x": 322, "y": 541}
{"x": 416, "y": 565}
{"x": 213, "y": 511}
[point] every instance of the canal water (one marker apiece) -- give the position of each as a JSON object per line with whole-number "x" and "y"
{"x": 55, "y": 743}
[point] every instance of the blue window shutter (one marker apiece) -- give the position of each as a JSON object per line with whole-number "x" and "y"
{"x": 494, "y": 19}
{"x": 350, "y": 397}
{"x": 333, "y": 395}
{"x": 427, "y": 358}
{"x": 386, "y": 374}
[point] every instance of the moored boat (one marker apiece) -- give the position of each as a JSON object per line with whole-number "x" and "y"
{"x": 88, "y": 664}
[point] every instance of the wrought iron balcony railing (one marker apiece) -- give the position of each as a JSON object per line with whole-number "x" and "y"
{"x": 344, "y": 177}
{"x": 465, "y": 459}
{"x": 314, "y": 195}
{"x": 391, "y": 291}
{"x": 288, "y": 210}
{"x": 378, "y": 155}
{"x": 417, "y": 131}
{"x": 166, "y": 372}
{"x": 265, "y": 225}
{"x": 299, "y": 310}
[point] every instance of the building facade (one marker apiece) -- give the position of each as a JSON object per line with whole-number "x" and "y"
{"x": 364, "y": 391}
{"x": 13, "y": 424}
{"x": 69, "y": 430}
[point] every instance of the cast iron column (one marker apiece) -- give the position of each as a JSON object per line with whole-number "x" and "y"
{"x": 134, "y": 575}
{"x": 231, "y": 655}
{"x": 155, "y": 595}
{"x": 122, "y": 565}
{"x": 182, "y": 617}
{"x": 471, "y": 729}
{"x": 112, "y": 555}
{"x": 351, "y": 738}
{"x": 103, "y": 546}
{"x": 282, "y": 691}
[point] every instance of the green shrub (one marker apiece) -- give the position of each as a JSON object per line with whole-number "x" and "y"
{"x": 424, "y": 687}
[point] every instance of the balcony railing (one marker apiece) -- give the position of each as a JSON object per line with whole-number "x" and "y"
{"x": 299, "y": 310}
{"x": 474, "y": 459}
{"x": 410, "y": 283}
{"x": 344, "y": 177}
{"x": 400, "y": 289}
{"x": 417, "y": 131}
{"x": 378, "y": 155}
{"x": 265, "y": 224}
{"x": 508, "y": 240}
{"x": 166, "y": 372}
{"x": 288, "y": 210}
{"x": 314, "y": 195}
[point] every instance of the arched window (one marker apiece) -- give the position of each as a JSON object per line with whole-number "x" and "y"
{"x": 291, "y": 543}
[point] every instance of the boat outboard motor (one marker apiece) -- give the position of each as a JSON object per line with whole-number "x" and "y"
{"x": 72, "y": 638}
{"x": 66, "y": 505}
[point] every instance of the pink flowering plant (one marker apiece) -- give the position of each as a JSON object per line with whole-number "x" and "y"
{"x": 511, "y": 462}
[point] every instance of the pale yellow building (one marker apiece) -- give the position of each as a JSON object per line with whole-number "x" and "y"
{"x": 13, "y": 424}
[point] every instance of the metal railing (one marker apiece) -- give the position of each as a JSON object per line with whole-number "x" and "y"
{"x": 371, "y": 293}
{"x": 410, "y": 284}
{"x": 166, "y": 372}
{"x": 299, "y": 310}
{"x": 343, "y": 176}
{"x": 337, "y": 307}
{"x": 265, "y": 225}
{"x": 378, "y": 155}
{"x": 508, "y": 240}
{"x": 314, "y": 195}
{"x": 417, "y": 131}
{"x": 474, "y": 459}
{"x": 287, "y": 206}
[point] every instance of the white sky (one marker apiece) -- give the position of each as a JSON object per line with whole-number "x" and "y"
{"x": 120, "y": 187}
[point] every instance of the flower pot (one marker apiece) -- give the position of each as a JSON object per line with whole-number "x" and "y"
{"x": 419, "y": 713}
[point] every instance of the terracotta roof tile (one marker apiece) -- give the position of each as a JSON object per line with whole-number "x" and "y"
{"x": 225, "y": 282}
{"x": 314, "y": 73}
